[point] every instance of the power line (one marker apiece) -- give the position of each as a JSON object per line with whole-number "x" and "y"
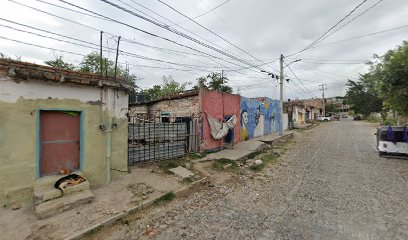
{"x": 116, "y": 21}
{"x": 232, "y": 44}
{"x": 362, "y": 36}
{"x": 197, "y": 67}
{"x": 39, "y": 46}
{"x": 205, "y": 13}
{"x": 307, "y": 90}
{"x": 325, "y": 33}
{"x": 165, "y": 27}
{"x": 347, "y": 23}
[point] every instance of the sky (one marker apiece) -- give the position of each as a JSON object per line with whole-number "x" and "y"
{"x": 186, "y": 40}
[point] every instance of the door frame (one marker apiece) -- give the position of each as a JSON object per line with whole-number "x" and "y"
{"x": 38, "y": 137}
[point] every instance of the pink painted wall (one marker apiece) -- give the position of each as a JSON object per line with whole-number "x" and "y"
{"x": 218, "y": 105}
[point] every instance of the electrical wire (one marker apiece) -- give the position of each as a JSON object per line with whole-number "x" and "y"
{"x": 162, "y": 26}
{"x": 347, "y": 23}
{"x": 331, "y": 28}
{"x": 205, "y": 13}
{"x": 362, "y": 36}
{"x": 207, "y": 29}
{"x": 304, "y": 87}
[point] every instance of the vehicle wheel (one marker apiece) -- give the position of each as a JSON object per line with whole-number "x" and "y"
{"x": 326, "y": 120}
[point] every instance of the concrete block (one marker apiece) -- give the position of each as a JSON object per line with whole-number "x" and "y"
{"x": 55, "y": 206}
{"x": 181, "y": 172}
{"x": 258, "y": 162}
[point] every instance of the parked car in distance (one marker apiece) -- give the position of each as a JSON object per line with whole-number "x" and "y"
{"x": 323, "y": 118}
{"x": 357, "y": 117}
{"x": 344, "y": 116}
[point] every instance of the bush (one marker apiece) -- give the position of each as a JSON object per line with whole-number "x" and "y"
{"x": 165, "y": 198}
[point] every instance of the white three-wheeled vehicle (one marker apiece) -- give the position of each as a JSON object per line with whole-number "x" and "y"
{"x": 392, "y": 141}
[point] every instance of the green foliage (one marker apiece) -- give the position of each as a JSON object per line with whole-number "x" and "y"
{"x": 165, "y": 165}
{"x": 362, "y": 97}
{"x": 165, "y": 198}
{"x": 58, "y": 62}
{"x": 331, "y": 107}
{"x": 194, "y": 156}
{"x": 267, "y": 158}
{"x": 169, "y": 86}
{"x": 389, "y": 77}
{"x": 220, "y": 163}
{"x": 91, "y": 63}
{"x": 214, "y": 81}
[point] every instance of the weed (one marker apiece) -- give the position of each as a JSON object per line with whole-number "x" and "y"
{"x": 220, "y": 163}
{"x": 253, "y": 154}
{"x": 257, "y": 168}
{"x": 194, "y": 156}
{"x": 165, "y": 165}
{"x": 267, "y": 158}
{"x": 165, "y": 198}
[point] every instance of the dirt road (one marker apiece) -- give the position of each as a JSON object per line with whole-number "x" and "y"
{"x": 331, "y": 184}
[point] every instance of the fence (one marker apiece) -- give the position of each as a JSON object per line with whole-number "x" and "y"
{"x": 160, "y": 138}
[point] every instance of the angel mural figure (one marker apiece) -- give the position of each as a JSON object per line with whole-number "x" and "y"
{"x": 260, "y": 122}
{"x": 244, "y": 125}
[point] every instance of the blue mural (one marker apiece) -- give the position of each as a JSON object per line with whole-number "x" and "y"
{"x": 259, "y": 116}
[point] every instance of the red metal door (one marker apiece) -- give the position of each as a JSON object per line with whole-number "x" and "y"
{"x": 59, "y": 136}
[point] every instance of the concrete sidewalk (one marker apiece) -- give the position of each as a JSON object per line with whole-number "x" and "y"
{"x": 243, "y": 149}
{"x": 115, "y": 201}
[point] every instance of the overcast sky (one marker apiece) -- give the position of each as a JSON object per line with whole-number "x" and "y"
{"x": 260, "y": 30}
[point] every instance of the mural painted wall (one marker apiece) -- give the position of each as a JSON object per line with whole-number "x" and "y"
{"x": 259, "y": 116}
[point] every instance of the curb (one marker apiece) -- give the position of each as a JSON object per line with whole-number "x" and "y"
{"x": 113, "y": 219}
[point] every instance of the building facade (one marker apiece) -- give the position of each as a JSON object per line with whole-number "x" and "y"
{"x": 55, "y": 120}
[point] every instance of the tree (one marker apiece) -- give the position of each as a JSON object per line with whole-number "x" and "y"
{"x": 362, "y": 98}
{"x": 169, "y": 86}
{"x": 58, "y": 62}
{"x": 331, "y": 107}
{"x": 389, "y": 77}
{"x": 214, "y": 81}
{"x": 91, "y": 63}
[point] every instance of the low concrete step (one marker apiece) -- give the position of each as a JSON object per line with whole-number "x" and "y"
{"x": 44, "y": 189}
{"x": 58, "y": 205}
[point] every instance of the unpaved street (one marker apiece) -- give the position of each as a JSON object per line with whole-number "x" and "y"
{"x": 331, "y": 184}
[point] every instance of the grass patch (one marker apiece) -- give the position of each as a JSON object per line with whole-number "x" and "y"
{"x": 188, "y": 180}
{"x": 267, "y": 158}
{"x": 220, "y": 163}
{"x": 165, "y": 165}
{"x": 165, "y": 198}
{"x": 194, "y": 156}
{"x": 392, "y": 122}
{"x": 253, "y": 154}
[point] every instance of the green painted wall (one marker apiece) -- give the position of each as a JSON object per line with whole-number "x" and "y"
{"x": 18, "y": 146}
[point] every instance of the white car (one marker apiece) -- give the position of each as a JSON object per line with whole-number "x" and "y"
{"x": 323, "y": 118}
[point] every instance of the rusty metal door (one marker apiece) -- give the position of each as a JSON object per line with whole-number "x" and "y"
{"x": 60, "y": 141}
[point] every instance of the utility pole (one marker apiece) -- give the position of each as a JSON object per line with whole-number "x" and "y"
{"x": 324, "y": 101}
{"x": 100, "y": 55}
{"x": 281, "y": 96}
{"x": 117, "y": 55}
{"x": 222, "y": 77}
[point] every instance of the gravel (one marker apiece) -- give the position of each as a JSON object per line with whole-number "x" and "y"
{"x": 330, "y": 184}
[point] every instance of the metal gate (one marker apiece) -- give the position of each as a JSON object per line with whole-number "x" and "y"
{"x": 160, "y": 138}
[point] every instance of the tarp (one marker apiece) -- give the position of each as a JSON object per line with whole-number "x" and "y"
{"x": 218, "y": 129}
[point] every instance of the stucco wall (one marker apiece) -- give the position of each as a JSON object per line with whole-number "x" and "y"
{"x": 104, "y": 154}
{"x": 259, "y": 116}
{"x": 183, "y": 107}
{"x": 218, "y": 105}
